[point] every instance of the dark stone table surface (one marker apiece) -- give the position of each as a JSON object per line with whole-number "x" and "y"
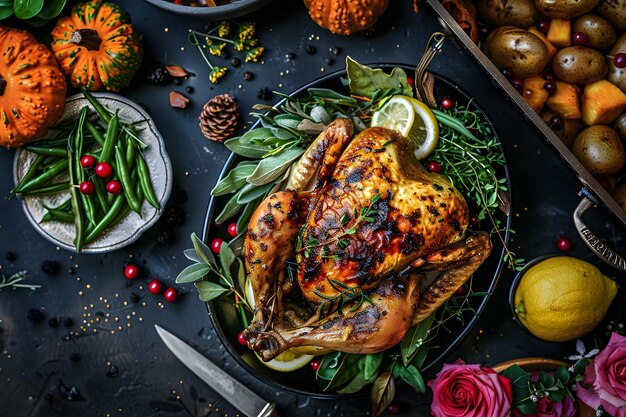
{"x": 111, "y": 353}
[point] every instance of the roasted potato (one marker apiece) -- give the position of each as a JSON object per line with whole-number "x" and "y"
{"x": 579, "y": 65}
{"x": 615, "y": 12}
{"x": 517, "y": 50}
{"x": 619, "y": 194}
{"x": 565, "y": 9}
{"x": 618, "y": 75}
{"x": 620, "y": 126}
{"x": 600, "y": 150}
{"x": 571, "y": 128}
{"x": 520, "y": 13}
{"x": 600, "y": 31}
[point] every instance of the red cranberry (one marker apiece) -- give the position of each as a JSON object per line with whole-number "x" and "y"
{"x": 87, "y": 187}
{"x": 155, "y": 286}
{"x": 619, "y": 60}
{"x": 232, "y": 229}
{"x": 550, "y": 87}
{"x": 556, "y": 122}
{"x": 131, "y": 271}
{"x": 580, "y": 38}
{"x": 447, "y": 103}
{"x": 87, "y": 161}
{"x": 216, "y": 244}
{"x": 315, "y": 364}
{"x": 170, "y": 295}
{"x": 563, "y": 243}
{"x": 103, "y": 170}
{"x": 433, "y": 166}
{"x": 473, "y": 220}
{"x": 410, "y": 81}
{"x": 518, "y": 84}
{"x": 393, "y": 408}
{"x": 114, "y": 187}
{"x": 241, "y": 339}
{"x": 543, "y": 26}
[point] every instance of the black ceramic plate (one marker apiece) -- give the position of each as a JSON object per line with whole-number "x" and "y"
{"x": 236, "y": 8}
{"x": 226, "y": 321}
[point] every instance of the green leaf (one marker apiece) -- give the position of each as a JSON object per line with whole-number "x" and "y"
{"x": 235, "y": 179}
{"x": 332, "y": 94}
{"x": 192, "y": 273}
{"x": 290, "y": 121}
{"x": 25, "y": 9}
{"x": 6, "y": 11}
{"x": 230, "y": 209}
{"x": 192, "y": 255}
{"x": 227, "y": 257}
{"x": 329, "y": 365}
{"x": 383, "y": 391}
{"x": 420, "y": 356}
{"x": 357, "y": 383}
{"x": 562, "y": 374}
{"x": 251, "y": 192}
{"x": 367, "y": 82}
{"x": 411, "y": 375}
{"x": 244, "y": 219}
{"x": 258, "y": 135}
{"x": 557, "y": 396}
{"x": 51, "y": 9}
{"x": 271, "y": 168}
{"x": 241, "y": 277}
{"x": 210, "y": 290}
{"x": 414, "y": 339}
{"x": 526, "y": 407}
{"x": 348, "y": 369}
{"x": 202, "y": 250}
{"x": 545, "y": 379}
{"x": 249, "y": 150}
{"x": 372, "y": 364}
{"x": 519, "y": 381}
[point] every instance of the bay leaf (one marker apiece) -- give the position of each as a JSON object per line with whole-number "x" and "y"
{"x": 271, "y": 168}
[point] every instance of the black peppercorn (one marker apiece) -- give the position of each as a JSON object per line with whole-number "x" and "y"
{"x": 235, "y": 62}
{"x": 50, "y": 267}
{"x": 310, "y": 49}
{"x": 189, "y": 90}
{"x": 67, "y": 321}
{"x": 248, "y": 75}
{"x": 53, "y": 322}
{"x": 9, "y": 256}
{"x": 35, "y": 315}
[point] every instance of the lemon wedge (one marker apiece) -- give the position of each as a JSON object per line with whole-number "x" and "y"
{"x": 413, "y": 119}
{"x": 288, "y": 361}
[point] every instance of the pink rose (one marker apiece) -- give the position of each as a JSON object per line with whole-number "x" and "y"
{"x": 606, "y": 378}
{"x": 470, "y": 391}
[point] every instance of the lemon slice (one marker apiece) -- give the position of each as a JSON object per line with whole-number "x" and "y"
{"x": 288, "y": 361}
{"x": 413, "y": 119}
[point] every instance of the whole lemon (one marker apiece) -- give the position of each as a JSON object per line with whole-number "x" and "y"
{"x": 563, "y": 298}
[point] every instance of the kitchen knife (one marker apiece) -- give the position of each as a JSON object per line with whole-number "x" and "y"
{"x": 225, "y": 385}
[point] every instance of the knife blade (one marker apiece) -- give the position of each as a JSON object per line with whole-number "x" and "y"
{"x": 225, "y": 385}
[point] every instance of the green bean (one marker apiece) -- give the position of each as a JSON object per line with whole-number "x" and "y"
{"x": 77, "y": 152}
{"x": 47, "y": 151}
{"x": 102, "y": 112}
{"x": 101, "y": 194}
{"x": 58, "y": 215}
{"x": 32, "y": 171}
{"x": 65, "y": 206}
{"x": 111, "y": 139}
{"x": 49, "y": 189}
{"x": 50, "y": 143}
{"x": 127, "y": 184}
{"x": 54, "y": 170}
{"x": 146, "y": 182}
{"x": 97, "y": 135}
{"x": 107, "y": 220}
{"x": 73, "y": 148}
{"x": 130, "y": 152}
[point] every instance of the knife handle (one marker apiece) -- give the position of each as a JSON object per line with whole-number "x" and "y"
{"x": 269, "y": 411}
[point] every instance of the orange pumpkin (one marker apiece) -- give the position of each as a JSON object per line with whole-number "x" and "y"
{"x": 97, "y": 46}
{"x": 32, "y": 89}
{"x": 345, "y": 17}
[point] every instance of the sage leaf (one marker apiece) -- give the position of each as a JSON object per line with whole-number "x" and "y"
{"x": 332, "y": 94}
{"x": 202, "y": 250}
{"x": 25, "y": 9}
{"x": 51, "y": 9}
{"x": 209, "y": 290}
{"x": 282, "y": 134}
{"x": 348, "y": 369}
{"x": 288, "y": 120}
{"x": 251, "y": 192}
{"x": 258, "y": 135}
{"x": 192, "y": 255}
{"x": 367, "y": 82}
{"x": 360, "y": 380}
{"x": 235, "y": 179}
{"x": 411, "y": 375}
{"x": 230, "y": 209}
{"x": 383, "y": 391}
{"x": 414, "y": 339}
{"x": 241, "y": 279}
{"x": 244, "y": 219}
{"x": 372, "y": 364}
{"x": 271, "y": 168}
{"x": 192, "y": 273}
{"x": 249, "y": 150}
{"x": 227, "y": 257}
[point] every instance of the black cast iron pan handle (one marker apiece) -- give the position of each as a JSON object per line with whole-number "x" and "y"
{"x": 596, "y": 245}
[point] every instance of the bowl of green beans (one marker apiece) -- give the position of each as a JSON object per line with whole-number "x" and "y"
{"x": 99, "y": 179}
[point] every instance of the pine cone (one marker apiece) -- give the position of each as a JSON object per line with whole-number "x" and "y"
{"x": 219, "y": 118}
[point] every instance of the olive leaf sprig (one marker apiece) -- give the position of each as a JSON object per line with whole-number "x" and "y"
{"x": 213, "y": 280}
{"x": 16, "y": 281}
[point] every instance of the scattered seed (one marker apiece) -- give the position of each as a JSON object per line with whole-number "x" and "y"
{"x": 248, "y": 76}
{"x": 235, "y": 62}
{"x": 310, "y": 49}
{"x": 10, "y": 256}
{"x": 50, "y": 267}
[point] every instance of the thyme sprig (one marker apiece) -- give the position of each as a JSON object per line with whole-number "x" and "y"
{"x": 14, "y": 281}
{"x": 365, "y": 215}
{"x": 345, "y": 294}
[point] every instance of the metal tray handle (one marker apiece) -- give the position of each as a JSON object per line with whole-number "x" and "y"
{"x": 598, "y": 247}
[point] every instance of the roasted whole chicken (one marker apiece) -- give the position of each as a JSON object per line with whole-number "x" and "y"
{"x": 335, "y": 260}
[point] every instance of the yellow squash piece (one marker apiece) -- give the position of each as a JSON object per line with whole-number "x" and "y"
{"x": 602, "y": 102}
{"x": 560, "y": 32}
{"x": 565, "y": 101}
{"x": 534, "y": 92}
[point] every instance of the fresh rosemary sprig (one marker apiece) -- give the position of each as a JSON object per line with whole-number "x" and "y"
{"x": 14, "y": 281}
{"x": 346, "y": 294}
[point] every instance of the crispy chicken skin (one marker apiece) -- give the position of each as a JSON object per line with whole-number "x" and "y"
{"x": 372, "y": 221}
